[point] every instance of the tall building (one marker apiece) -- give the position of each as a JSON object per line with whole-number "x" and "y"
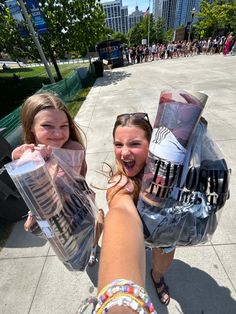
{"x": 124, "y": 19}
{"x": 175, "y": 12}
{"x": 116, "y": 16}
{"x": 135, "y": 17}
{"x": 157, "y": 9}
{"x": 168, "y": 12}
{"x": 184, "y": 11}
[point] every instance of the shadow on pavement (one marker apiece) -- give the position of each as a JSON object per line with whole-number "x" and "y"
{"x": 111, "y": 77}
{"x": 194, "y": 290}
{"x": 19, "y": 238}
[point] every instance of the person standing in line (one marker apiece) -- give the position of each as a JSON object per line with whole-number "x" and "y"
{"x": 154, "y": 51}
{"x": 228, "y": 44}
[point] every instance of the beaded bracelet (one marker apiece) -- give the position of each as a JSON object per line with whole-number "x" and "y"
{"x": 121, "y": 298}
{"x": 124, "y": 293}
{"x": 114, "y": 287}
{"x": 125, "y": 301}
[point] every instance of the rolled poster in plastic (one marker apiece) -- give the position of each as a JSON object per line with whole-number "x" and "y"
{"x": 178, "y": 114}
{"x": 61, "y": 205}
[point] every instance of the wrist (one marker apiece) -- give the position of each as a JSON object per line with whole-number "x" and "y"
{"x": 12, "y": 155}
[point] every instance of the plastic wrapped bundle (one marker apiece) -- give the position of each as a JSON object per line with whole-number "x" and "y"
{"x": 186, "y": 178}
{"x": 61, "y": 201}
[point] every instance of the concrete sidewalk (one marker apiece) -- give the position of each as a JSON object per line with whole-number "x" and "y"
{"x": 202, "y": 279}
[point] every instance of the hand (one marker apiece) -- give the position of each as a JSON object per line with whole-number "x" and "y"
{"x": 19, "y": 151}
{"x": 44, "y": 150}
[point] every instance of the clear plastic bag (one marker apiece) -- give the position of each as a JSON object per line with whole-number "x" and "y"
{"x": 60, "y": 200}
{"x": 179, "y": 202}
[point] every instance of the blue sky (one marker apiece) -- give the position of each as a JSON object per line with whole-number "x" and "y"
{"x": 142, "y": 4}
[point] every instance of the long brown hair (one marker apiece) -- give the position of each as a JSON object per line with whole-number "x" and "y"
{"x": 139, "y": 120}
{"x": 38, "y": 102}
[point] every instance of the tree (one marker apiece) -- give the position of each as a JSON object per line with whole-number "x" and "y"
{"x": 107, "y": 34}
{"x": 160, "y": 30}
{"x": 218, "y": 17}
{"x": 11, "y": 41}
{"x": 135, "y": 35}
{"x": 169, "y": 35}
{"x": 72, "y": 26}
{"x": 121, "y": 36}
{"x": 140, "y": 31}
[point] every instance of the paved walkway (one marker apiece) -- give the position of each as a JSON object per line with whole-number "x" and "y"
{"x": 202, "y": 279}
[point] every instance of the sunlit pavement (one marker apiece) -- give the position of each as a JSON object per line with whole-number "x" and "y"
{"x": 202, "y": 279}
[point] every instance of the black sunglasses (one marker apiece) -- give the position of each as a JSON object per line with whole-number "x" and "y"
{"x": 140, "y": 115}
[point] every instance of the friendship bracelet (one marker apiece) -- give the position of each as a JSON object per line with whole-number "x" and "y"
{"x": 126, "y": 300}
{"x": 119, "y": 297}
{"x": 117, "y": 283}
{"x": 124, "y": 292}
{"x": 130, "y": 288}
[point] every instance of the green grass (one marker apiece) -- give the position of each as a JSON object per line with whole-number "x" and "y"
{"x": 14, "y": 95}
{"x": 75, "y": 105}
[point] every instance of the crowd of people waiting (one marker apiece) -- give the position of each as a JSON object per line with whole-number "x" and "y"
{"x": 176, "y": 49}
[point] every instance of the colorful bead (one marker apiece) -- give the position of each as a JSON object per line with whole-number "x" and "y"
{"x": 134, "y": 305}
{"x": 123, "y": 288}
{"x": 124, "y": 293}
{"x": 109, "y": 292}
{"x": 151, "y": 308}
{"x": 136, "y": 291}
{"x": 119, "y": 302}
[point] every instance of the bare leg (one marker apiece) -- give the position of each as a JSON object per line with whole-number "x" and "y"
{"x": 161, "y": 262}
{"x": 98, "y": 232}
{"x": 99, "y": 227}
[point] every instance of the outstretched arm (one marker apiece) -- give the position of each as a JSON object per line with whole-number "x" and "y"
{"x": 123, "y": 249}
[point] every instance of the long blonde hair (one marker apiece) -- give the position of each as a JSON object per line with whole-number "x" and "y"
{"x": 38, "y": 102}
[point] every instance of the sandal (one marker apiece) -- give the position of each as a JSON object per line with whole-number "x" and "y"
{"x": 30, "y": 222}
{"x": 164, "y": 291}
{"x": 92, "y": 257}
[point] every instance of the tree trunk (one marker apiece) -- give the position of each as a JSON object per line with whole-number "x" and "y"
{"x": 54, "y": 61}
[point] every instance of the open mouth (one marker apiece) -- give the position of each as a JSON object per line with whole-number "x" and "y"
{"x": 128, "y": 164}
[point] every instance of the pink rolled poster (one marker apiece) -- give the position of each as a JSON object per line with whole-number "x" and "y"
{"x": 178, "y": 114}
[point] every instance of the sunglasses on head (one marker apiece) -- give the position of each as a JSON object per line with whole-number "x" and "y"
{"x": 140, "y": 115}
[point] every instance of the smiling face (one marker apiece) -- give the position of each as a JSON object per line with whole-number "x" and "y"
{"x": 51, "y": 127}
{"x": 131, "y": 149}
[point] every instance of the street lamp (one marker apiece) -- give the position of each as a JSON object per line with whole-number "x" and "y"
{"x": 191, "y": 22}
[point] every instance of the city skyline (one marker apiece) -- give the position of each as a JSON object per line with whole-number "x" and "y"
{"x": 142, "y": 4}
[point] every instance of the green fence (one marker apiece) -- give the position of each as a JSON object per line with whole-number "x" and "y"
{"x": 66, "y": 89}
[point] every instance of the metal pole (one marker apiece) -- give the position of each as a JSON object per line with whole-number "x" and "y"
{"x": 190, "y": 26}
{"x": 37, "y": 43}
{"x": 148, "y": 25}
